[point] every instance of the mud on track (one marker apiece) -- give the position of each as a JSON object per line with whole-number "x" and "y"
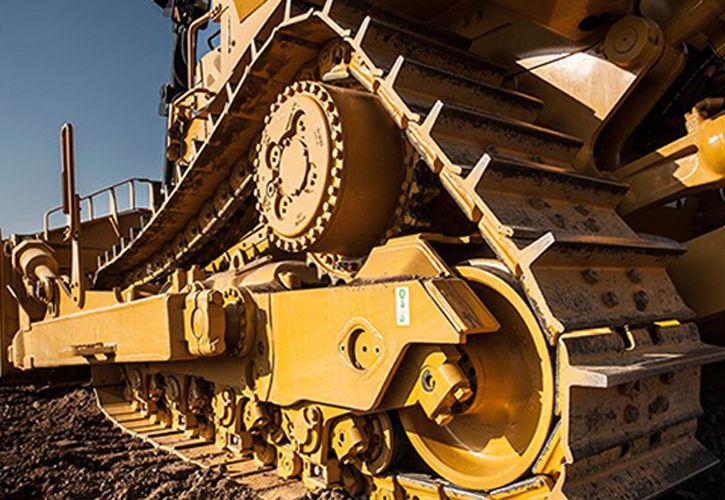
{"x": 56, "y": 444}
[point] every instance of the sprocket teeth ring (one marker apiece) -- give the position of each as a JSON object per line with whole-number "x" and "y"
{"x": 304, "y": 98}
{"x": 309, "y": 210}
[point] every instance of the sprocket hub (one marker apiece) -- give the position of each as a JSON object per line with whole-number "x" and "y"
{"x": 329, "y": 170}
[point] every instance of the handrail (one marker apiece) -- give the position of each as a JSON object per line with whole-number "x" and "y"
{"x": 191, "y": 42}
{"x": 190, "y": 93}
{"x": 113, "y": 199}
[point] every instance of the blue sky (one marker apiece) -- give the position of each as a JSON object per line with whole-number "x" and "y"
{"x": 96, "y": 63}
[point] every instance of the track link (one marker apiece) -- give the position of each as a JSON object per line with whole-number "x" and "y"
{"x": 261, "y": 479}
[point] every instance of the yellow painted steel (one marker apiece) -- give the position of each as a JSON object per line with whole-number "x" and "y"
{"x": 498, "y": 435}
{"x": 552, "y": 457}
{"x": 8, "y": 312}
{"x": 408, "y": 256}
{"x": 310, "y": 377}
{"x": 141, "y": 331}
{"x": 686, "y": 166}
{"x": 347, "y": 343}
{"x": 703, "y": 291}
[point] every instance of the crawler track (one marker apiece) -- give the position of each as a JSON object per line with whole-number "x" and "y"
{"x": 628, "y": 403}
{"x": 261, "y": 480}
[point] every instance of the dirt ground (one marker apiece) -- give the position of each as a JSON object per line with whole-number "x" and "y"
{"x": 56, "y": 444}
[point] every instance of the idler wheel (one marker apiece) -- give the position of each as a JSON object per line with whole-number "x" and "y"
{"x": 328, "y": 171}
{"x": 496, "y": 435}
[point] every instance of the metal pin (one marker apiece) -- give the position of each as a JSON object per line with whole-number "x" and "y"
{"x": 590, "y": 276}
{"x": 610, "y": 299}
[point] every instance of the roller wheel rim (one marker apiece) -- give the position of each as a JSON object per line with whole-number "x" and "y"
{"x": 498, "y": 436}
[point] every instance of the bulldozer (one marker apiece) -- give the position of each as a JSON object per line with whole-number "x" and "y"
{"x": 440, "y": 250}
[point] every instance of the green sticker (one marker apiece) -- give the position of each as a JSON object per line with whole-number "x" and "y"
{"x": 402, "y": 306}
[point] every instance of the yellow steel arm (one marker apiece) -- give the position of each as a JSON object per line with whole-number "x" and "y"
{"x": 690, "y": 164}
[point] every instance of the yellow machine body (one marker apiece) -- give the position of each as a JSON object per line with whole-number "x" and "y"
{"x": 406, "y": 249}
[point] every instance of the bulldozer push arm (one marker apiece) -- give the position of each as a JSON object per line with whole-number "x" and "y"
{"x": 400, "y": 249}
